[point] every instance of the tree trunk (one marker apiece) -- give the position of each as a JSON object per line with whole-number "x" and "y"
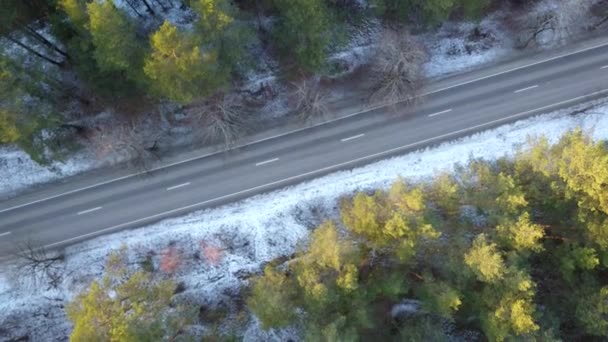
{"x": 130, "y": 3}
{"x": 258, "y": 12}
{"x": 160, "y": 3}
{"x": 42, "y": 39}
{"x": 36, "y": 53}
{"x": 149, "y": 8}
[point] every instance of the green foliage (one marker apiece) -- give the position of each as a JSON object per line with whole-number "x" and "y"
{"x": 177, "y": 66}
{"x": 9, "y": 133}
{"x": 485, "y": 260}
{"x": 272, "y": 299}
{"x": 431, "y": 12}
{"x": 592, "y": 312}
{"x": 221, "y": 30}
{"x": 303, "y": 32}
{"x": 474, "y": 8}
{"x": 440, "y": 298}
{"x": 394, "y": 219}
{"x": 113, "y": 35}
{"x": 575, "y": 258}
{"x": 522, "y": 235}
{"x": 76, "y": 11}
{"x": 124, "y": 306}
{"x": 411, "y": 241}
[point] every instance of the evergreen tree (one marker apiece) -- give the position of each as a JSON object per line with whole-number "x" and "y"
{"x": 125, "y": 306}
{"x": 178, "y": 68}
{"x": 485, "y": 260}
{"x": 303, "y": 32}
{"x": 113, "y": 35}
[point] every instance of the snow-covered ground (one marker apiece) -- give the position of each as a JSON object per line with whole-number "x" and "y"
{"x": 19, "y": 171}
{"x": 220, "y": 247}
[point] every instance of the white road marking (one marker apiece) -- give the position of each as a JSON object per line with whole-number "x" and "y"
{"x": 5, "y": 234}
{"x": 369, "y": 109}
{"x": 517, "y": 68}
{"x": 439, "y": 113}
{"x": 267, "y": 162}
{"x": 604, "y": 67}
{"x": 321, "y": 170}
{"x": 524, "y": 89}
{"x": 178, "y": 186}
{"x": 353, "y": 137}
{"x": 88, "y": 211}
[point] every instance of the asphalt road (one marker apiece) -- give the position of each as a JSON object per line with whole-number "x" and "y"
{"x": 467, "y": 105}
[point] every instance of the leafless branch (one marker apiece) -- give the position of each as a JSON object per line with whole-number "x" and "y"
{"x": 396, "y": 69}
{"x": 221, "y": 118}
{"x": 308, "y": 101}
{"x": 40, "y": 265}
{"x": 129, "y": 141}
{"x": 551, "y": 23}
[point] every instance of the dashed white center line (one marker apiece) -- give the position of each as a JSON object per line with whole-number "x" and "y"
{"x": 88, "y": 211}
{"x": 266, "y": 162}
{"x": 524, "y": 89}
{"x": 4, "y": 234}
{"x": 439, "y": 113}
{"x": 353, "y": 137}
{"x": 178, "y": 186}
{"x": 604, "y": 67}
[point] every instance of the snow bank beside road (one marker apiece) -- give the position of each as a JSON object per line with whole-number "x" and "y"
{"x": 247, "y": 234}
{"x": 19, "y": 171}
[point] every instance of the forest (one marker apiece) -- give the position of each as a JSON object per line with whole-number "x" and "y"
{"x": 66, "y": 63}
{"x": 511, "y": 249}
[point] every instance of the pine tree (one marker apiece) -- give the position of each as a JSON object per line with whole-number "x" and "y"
{"x": 272, "y": 299}
{"x": 522, "y": 235}
{"x": 123, "y": 306}
{"x": 485, "y": 260}
{"x": 178, "y": 68}
{"x": 113, "y": 35}
{"x": 303, "y": 32}
{"x": 9, "y": 133}
{"x": 220, "y": 29}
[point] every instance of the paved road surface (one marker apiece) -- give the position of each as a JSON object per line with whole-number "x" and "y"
{"x": 467, "y": 105}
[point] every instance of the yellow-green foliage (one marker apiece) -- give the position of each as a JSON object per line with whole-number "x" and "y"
{"x": 272, "y": 299}
{"x": 76, "y": 11}
{"x": 121, "y": 307}
{"x": 485, "y": 260}
{"x": 177, "y": 66}
{"x": 9, "y": 133}
{"x": 542, "y": 223}
{"x": 522, "y": 235}
{"x": 113, "y": 35}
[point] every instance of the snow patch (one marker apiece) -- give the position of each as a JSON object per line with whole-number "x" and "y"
{"x": 19, "y": 171}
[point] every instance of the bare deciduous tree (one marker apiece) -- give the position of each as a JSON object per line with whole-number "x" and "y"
{"x": 549, "y": 22}
{"x": 39, "y": 265}
{"x": 221, "y": 117}
{"x": 308, "y": 101}
{"x": 396, "y": 69}
{"x": 129, "y": 141}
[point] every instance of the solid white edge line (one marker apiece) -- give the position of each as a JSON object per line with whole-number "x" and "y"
{"x": 527, "y": 88}
{"x": 517, "y": 68}
{"x": 439, "y": 113}
{"x": 353, "y": 137}
{"x": 178, "y": 186}
{"x": 89, "y": 211}
{"x": 4, "y": 234}
{"x": 371, "y": 156}
{"x": 369, "y": 109}
{"x": 267, "y": 162}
